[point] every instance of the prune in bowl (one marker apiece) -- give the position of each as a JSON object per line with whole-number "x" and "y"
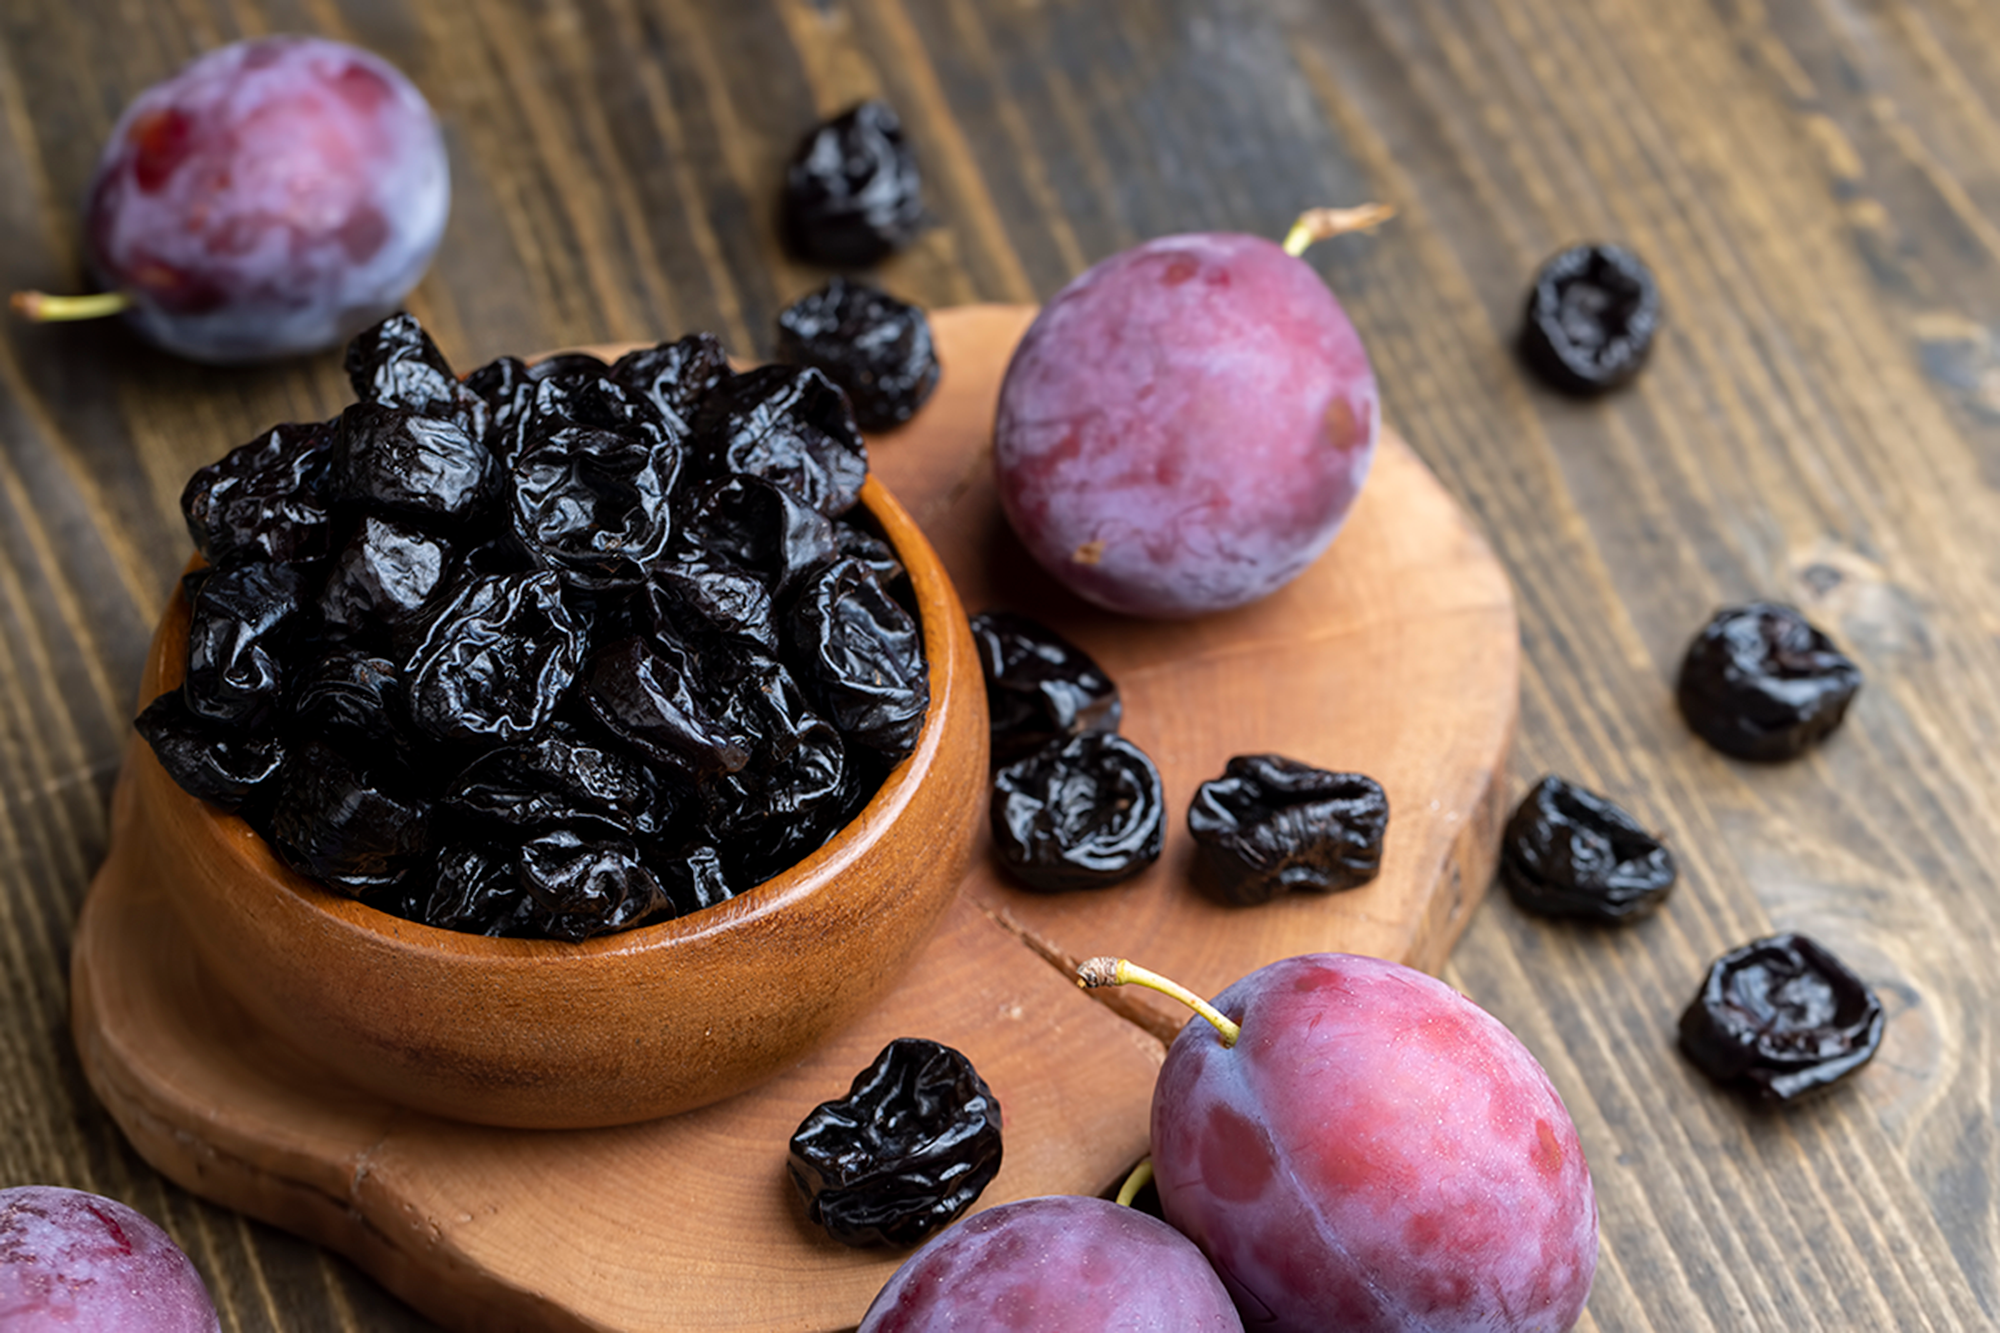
{"x": 621, "y": 1027}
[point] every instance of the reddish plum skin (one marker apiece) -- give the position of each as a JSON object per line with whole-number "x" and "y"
{"x": 270, "y": 199}
{"x": 1375, "y": 1154}
{"x": 1056, "y": 1264}
{"x": 72, "y": 1262}
{"x": 1184, "y": 428}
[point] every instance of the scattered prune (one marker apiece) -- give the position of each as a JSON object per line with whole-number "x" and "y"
{"x": 875, "y": 347}
{"x": 1272, "y": 825}
{"x": 862, "y": 657}
{"x": 1760, "y": 682}
{"x": 222, "y": 765}
{"x": 336, "y": 822}
{"x": 853, "y": 195}
{"x": 496, "y": 660}
{"x": 1570, "y": 852}
{"x": 265, "y": 500}
{"x": 911, "y": 1146}
{"x": 1084, "y": 813}
{"x": 1780, "y": 1018}
{"x": 1040, "y": 687}
{"x": 791, "y": 427}
{"x": 236, "y": 642}
{"x": 1591, "y": 318}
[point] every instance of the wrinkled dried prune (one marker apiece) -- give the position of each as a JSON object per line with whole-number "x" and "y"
{"x": 761, "y": 526}
{"x": 265, "y": 500}
{"x": 1272, "y": 825}
{"x": 1570, "y": 852}
{"x": 862, "y": 657}
{"x": 875, "y": 347}
{"x": 797, "y": 787}
{"x": 236, "y": 642}
{"x": 475, "y": 890}
{"x": 1781, "y": 1017}
{"x": 675, "y": 376}
{"x": 853, "y": 195}
{"x": 382, "y": 577}
{"x": 220, "y": 764}
{"x": 649, "y": 692}
{"x": 1760, "y": 682}
{"x": 340, "y": 824}
{"x": 1040, "y": 687}
{"x": 393, "y": 459}
{"x": 351, "y": 693}
{"x": 707, "y": 594}
{"x": 694, "y": 879}
{"x": 562, "y": 776}
{"x": 579, "y": 365}
{"x": 594, "y": 502}
{"x": 871, "y": 551}
{"x": 496, "y": 661}
{"x": 911, "y": 1146}
{"x": 585, "y": 885}
{"x": 791, "y": 427}
{"x": 395, "y": 363}
{"x": 1084, "y": 813}
{"x": 1591, "y": 319}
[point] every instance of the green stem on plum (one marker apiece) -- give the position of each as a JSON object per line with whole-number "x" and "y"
{"x": 46, "y": 309}
{"x": 1142, "y": 1176}
{"x": 1320, "y": 224}
{"x": 1096, "y": 972}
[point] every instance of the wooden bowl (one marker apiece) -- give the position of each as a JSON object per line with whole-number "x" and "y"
{"x": 621, "y": 1028}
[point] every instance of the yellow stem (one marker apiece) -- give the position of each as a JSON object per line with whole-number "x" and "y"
{"x": 46, "y": 309}
{"x": 1142, "y": 1175}
{"x": 1098, "y": 972}
{"x": 1320, "y": 224}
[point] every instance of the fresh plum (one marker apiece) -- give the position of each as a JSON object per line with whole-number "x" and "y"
{"x": 1184, "y": 428}
{"x": 1373, "y": 1153}
{"x": 72, "y": 1262}
{"x": 269, "y": 199}
{"x": 1056, "y": 1264}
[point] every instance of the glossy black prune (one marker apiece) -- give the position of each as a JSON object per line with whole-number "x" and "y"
{"x": 237, "y": 636}
{"x": 1272, "y": 825}
{"x": 875, "y": 347}
{"x": 562, "y": 776}
{"x": 1760, "y": 682}
{"x": 475, "y": 889}
{"x": 704, "y": 593}
{"x": 391, "y": 459}
{"x": 853, "y": 194}
{"x": 1084, "y": 813}
{"x": 791, "y": 427}
{"x": 265, "y": 500}
{"x": 797, "y": 788}
{"x": 352, "y": 693}
{"x": 675, "y": 376}
{"x": 496, "y": 661}
{"x": 1780, "y": 1018}
{"x": 337, "y": 822}
{"x": 762, "y": 526}
{"x": 861, "y": 656}
{"x": 395, "y": 363}
{"x": 1040, "y": 687}
{"x": 1591, "y": 318}
{"x": 910, "y": 1148}
{"x": 382, "y": 577}
{"x": 593, "y": 503}
{"x": 650, "y": 692}
{"x": 1570, "y": 852}
{"x": 584, "y": 884}
{"x": 221, "y": 764}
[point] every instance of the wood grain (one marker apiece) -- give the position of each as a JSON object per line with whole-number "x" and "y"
{"x": 1815, "y": 184}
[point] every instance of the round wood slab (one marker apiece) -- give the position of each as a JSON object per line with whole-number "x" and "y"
{"x": 1396, "y": 655}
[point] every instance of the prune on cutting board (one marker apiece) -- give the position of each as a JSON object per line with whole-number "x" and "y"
{"x": 382, "y": 577}
{"x": 496, "y": 661}
{"x": 1591, "y": 318}
{"x": 265, "y": 500}
{"x": 1272, "y": 825}
{"x": 1570, "y": 852}
{"x": 1084, "y": 813}
{"x": 875, "y": 347}
{"x": 338, "y": 823}
{"x": 911, "y": 1146}
{"x": 861, "y": 656}
{"x": 1760, "y": 682}
{"x": 1040, "y": 687}
{"x": 220, "y": 764}
{"x": 853, "y": 195}
{"x": 586, "y": 884}
{"x": 1780, "y": 1018}
{"x": 237, "y": 642}
{"x": 788, "y": 426}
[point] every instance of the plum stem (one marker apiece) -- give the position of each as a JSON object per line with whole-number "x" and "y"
{"x": 1096, "y": 972}
{"x": 1142, "y": 1176}
{"x": 46, "y": 309}
{"x": 1321, "y": 224}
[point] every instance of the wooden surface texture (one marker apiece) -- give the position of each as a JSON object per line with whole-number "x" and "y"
{"x": 1817, "y": 185}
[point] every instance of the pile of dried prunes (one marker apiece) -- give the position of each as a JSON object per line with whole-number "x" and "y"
{"x": 554, "y": 651}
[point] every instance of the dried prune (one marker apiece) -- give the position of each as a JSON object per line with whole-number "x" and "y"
{"x": 1040, "y": 687}
{"x": 675, "y": 376}
{"x": 584, "y": 885}
{"x": 1780, "y": 1018}
{"x": 761, "y": 526}
{"x": 853, "y": 194}
{"x": 343, "y": 825}
{"x": 911, "y": 1146}
{"x": 382, "y": 577}
{"x": 875, "y": 347}
{"x": 351, "y": 693}
{"x": 390, "y": 459}
{"x": 1084, "y": 813}
{"x": 797, "y": 788}
{"x": 396, "y": 363}
{"x": 862, "y": 657}
{"x": 1760, "y": 682}
{"x": 496, "y": 661}
{"x": 1591, "y": 319}
{"x": 707, "y": 594}
{"x": 791, "y": 427}
{"x": 1272, "y": 825}
{"x": 475, "y": 889}
{"x": 222, "y": 765}
{"x": 649, "y": 692}
{"x": 236, "y": 642}
{"x": 561, "y": 777}
{"x": 265, "y": 500}
{"x": 1570, "y": 852}
{"x": 592, "y": 502}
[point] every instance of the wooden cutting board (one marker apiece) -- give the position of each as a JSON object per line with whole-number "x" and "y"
{"x": 1396, "y": 655}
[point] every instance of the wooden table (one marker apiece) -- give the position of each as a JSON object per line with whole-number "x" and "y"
{"x": 1818, "y": 188}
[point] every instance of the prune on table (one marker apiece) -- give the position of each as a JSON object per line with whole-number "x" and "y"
{"x": 237, "y": 642}
{"x": 875, "y": 347}
{"x": 586, "y": 885}
{"x": 911, "y": 1146}
{"x": 649, "y": 692}
{"x": 1591, "y": 318}
{"x": 1040, "y": 687}
{"x": 862, "y": 657}
{"x": 430, "y": 467}
{"x": 338, "y": 823}
{"x": 220, "y": 764}
{"x": 675, "y": 376}
{"x": 1781, "y": 1017}
{"x": 788, "y": 426}
{"x": 352, "y": 693}
{"x": 853, "y": 194}
{"x": 593, "y": 502}
{"x": 496, "y": 660}
{"x": 1570, "y": 852}
{"x": 1272, "y": 825}
{"x": 1760, "y": 682}
{"x": 265, "y": 500}
{"x": 383, "y": 576}
{"x": 1084, "y": 813}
